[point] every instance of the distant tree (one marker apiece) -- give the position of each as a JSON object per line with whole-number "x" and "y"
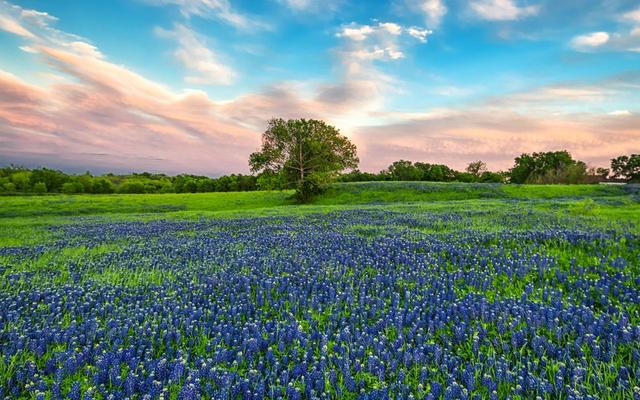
{"x": 403, "y": 170}
{"x": 602, "y": 172}
{"x": 190, "y": 185}
{"x": 359, "y": 176}
{"x": 491, "y": 177}
{"x": 548, "y": 167}
{"x": 476, "y": 168}
{"x": 72, "y": 187}
{"x": 102, "y": 186}
{"x": 21, "y": 180}
{"x": 86, "y": 180}
{"x": 53, "y": 179}
{"x": 465, "y": 177}
{"x": 435, "y": 172}
{"x": 626, "y": 167}
{"x": 571, "y": 174}
{"x": 306, "y": 153}
{"x": 40, "y": 188}
{"x": 9, "y": 187}
{"x": 131, "y": 186}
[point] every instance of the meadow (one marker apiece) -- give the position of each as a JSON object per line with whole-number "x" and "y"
{"x": 391, "y": 290}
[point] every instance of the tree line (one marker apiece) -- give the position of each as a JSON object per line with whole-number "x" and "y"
{"x": 45, "y": 180}
{"x": 306, "y": 155}
{"x": 536, "y": 168}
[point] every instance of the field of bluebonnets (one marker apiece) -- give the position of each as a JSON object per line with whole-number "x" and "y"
{"x": 504, "y": 296}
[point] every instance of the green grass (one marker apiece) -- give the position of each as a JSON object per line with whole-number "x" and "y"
{"x": 338, "y": 194}
{"x": 24, "y": 219}
{"x": 479, "y": 207}
{"x": 39, "y": 206}
{"x": 390, "y": 192}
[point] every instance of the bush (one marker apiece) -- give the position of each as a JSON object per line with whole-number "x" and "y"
{"x": 72, "y": 188}
{"x": 40, "y": 188}
{"x": 102, "y": 186}
{"x": 9, "y": 187}
{"x": 131, "y": 187}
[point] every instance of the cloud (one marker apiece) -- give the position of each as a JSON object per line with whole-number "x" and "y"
{"x": 391, "y": 27}
{"x": 378, "y": 42}
{"x": 624, "y": 39}
{"x": 502, "y": 10}
{"x": 621, "y": 113}
{"x": 12, "y": 26}
{"x": 633, "y": 16}
{"x": 37, "y": 28}
{"x": 194, "y": 55}
{"x": 550, "y": 117}
{"x": 136, "y": 123}
{"x": 589, "y": 41}
{"x": 213, "y": 9}
{"x": 357, "y": 33}
{"x": 419, "y": 33}
{"x": 91, "y": 105}
{"x": 434, "y": 11}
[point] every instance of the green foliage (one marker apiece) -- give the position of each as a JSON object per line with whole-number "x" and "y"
{"x": 72, "y": 187}
{"x": 307, "y": 154}
{"x": 9, "y": 187}
{"x": 491, "y": 177}
{"x": 102, "y": 186}
{"x": 21, "y": 180}
{"x": 403, "y": 170}
{"x": 626, "y": 167}
{"x": 40, "y": 188}
{"x": 52, "y": 179}
{"x": 548, "y": 167}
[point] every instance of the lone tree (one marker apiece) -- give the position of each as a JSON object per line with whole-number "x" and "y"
{"x": 477, "y": 168}
{"x": 305, "y": 153}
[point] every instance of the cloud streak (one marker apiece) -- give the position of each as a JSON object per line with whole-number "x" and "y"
{"x": 94, "y": 112}
{"x": 195, "y": 56}
{"x": 214, "y": 9}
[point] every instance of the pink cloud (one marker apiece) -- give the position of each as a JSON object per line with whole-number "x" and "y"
{"x": 102, "y": 115}
{"x": 497, "y": 137}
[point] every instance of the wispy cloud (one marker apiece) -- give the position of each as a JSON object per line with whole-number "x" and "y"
{"x": 92, "y": 105}
{"x": 502, "y": 10}
{"x": 312, "y": 6}
{"x": 434, "y": 11}
{"x": 200, "y": 60}
{"x": 12, "y": 26}
{"x": 214, "y": 9}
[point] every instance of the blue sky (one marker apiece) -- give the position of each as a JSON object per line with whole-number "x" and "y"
{"x": 188, "y": 85}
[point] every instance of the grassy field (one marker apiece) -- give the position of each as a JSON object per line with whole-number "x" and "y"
{"x": 375, "y": 290}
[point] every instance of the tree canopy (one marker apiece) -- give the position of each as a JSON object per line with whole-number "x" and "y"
{"x": 548, "y": 167}
{"x": 626, "y": 167}
{"x": 304, "y": 153}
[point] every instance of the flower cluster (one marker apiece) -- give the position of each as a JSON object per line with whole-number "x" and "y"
{"x": 363, "y": 304}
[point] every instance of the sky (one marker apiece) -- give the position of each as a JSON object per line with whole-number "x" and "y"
{"x": 187, "y": 86}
